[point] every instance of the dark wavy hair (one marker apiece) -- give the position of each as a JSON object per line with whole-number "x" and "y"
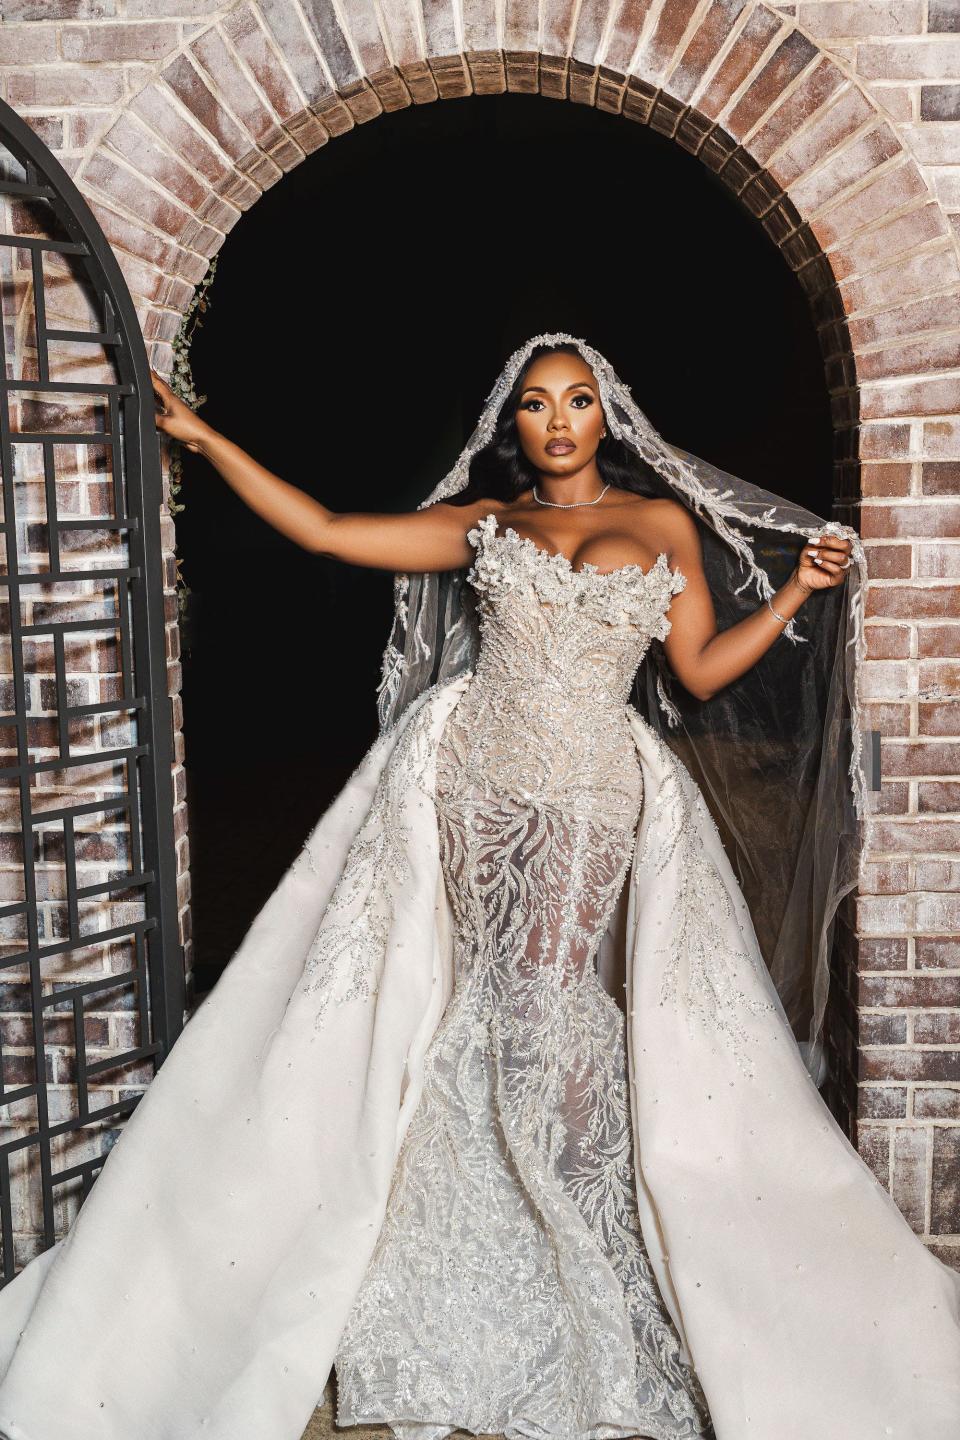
{"x": 501, "y": 471}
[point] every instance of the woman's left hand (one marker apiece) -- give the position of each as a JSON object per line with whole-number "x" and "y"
{"x": 824, "y": 562}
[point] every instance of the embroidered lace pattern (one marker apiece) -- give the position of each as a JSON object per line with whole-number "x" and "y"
{"x": 510, "y": 1290}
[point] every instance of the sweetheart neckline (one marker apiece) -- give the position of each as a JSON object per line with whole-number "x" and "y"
{"x": 587, "y": 568}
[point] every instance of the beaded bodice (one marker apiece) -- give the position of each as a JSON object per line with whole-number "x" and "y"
{"x": 574, "y": 632}
{"x": 546, "y": 712}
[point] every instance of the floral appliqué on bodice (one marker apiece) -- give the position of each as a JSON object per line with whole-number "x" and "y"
{"x": 510, "y": 1290}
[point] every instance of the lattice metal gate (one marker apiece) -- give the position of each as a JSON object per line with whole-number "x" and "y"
{"x": 91, "y": 974}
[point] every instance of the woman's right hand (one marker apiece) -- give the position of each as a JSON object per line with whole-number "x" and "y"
{"x": 176, "y": 419}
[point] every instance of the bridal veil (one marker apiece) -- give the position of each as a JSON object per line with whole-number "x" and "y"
{"x": 778, "y": 754}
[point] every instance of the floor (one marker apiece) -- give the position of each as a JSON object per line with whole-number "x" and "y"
{"x": 322, "y": 1425}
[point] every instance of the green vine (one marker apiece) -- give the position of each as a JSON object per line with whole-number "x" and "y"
{"x": 181, "y": 383}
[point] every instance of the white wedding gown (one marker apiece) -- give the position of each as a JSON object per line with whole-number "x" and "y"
{"x": 413, "y": 1133}
{"x": 510, "y": 1291}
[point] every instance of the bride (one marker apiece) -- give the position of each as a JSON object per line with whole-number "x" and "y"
{"x": 499, "y": 1108}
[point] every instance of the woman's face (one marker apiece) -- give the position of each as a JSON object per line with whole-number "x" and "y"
{"x": 559, "y": 416}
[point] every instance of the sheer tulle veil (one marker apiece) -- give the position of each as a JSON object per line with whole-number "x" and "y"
{"x": 778, "y": 754}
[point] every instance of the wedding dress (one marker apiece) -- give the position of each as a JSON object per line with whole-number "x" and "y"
{"x": 510, "y": 1291}
{"x": 497, "y": 1107}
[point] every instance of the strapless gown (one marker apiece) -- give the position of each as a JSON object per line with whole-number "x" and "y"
{"x": 510, "y": 1291}
{"x": 495, "y": 1110}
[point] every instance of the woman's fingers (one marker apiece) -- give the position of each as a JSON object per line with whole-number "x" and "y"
{"x": 173, "y": 417}
{"x": 162, "y": 391}
{"x": 831, "y": 554}
{"x": 830, "y": 547}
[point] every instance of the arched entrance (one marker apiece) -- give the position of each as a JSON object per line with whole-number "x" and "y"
{"x": 808, "y": 151}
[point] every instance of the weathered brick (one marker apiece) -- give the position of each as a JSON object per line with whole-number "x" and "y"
{"x": 883, "y": 1029}
{"x": 156, "y": 107}
{"x": 931, "y": 1102}
{"x": 939, "y": 1027}
{"x": 163, "y": 9}
{"x": 885, "y": 915}
{"x": 322, "y": 17}
{"x": 880, "y": 245}
{"x": 890, "y": 562}
{"x": 937, "y": 951}
{"x": 916, "y": 275}
{"x": 883, "y": 953}
{"x": 288, "y": 28}
{"x": 853, "y": 19}
{"x": 939, "y": 717}
{"x": 210, "y": 50}
{"x": 910, "y": 1146}
{"x": 873, "y": 1144}
{"x": 932, "y": 517}
{"x": 934, "y": 873}
{"x": 943, "y": 15}
{"x": 660, "y": 44}
{"x": 938, "y": 912}
{"x": 940, "y": 102}
{"x": 939, "y": 679}
{"x": 910, "y": 1065}
{"x": 703, "y": 46}
{"x": 931, "y": 396}
{"x": 888, "y": 642}
{"x": 938, "y": 639}
{"x": 243, "y": 29}
{"x": 835, "y": 122}
{"x": 913, "y": 601}
{"x": 124, "y": 40}
{"x": 886, "y": 680}
{"x": 49, "y": 10}
{"x": 940, "y": 796}
{"x": 941, "y": 438}
{"x": 940, "y": 477}
{"x": 758, "y": 33}
{"x": 909, "y": 60}
{"x": 27, "y": 44}
{"x": 788, "y": 61}
{"x": 900, "y": 991}
{"x": 64, "y": 85}
{"x": 882, "y": 1102}
{"x": 139, "y": 147}
{"x": 929, "y": 758}
{"x": 125, "y": 188}
{"x": 191, "y": 88}
{"x": 945, "y": 1206}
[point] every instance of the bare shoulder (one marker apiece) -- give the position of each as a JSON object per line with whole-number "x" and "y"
{"x": 465, "y": 516}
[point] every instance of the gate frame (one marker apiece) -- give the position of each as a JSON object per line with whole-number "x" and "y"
{"x": 141, "y": 589}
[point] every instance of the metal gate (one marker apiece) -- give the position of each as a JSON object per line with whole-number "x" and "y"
{"x": 91, "y": 973}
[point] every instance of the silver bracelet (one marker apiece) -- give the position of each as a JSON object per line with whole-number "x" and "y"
{"x": 784, "y": 619}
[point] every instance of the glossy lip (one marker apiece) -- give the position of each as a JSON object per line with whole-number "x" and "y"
{"x": 553, "y": 446}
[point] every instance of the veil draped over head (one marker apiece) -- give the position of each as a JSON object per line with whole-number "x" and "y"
{"x": 777, "y": 754}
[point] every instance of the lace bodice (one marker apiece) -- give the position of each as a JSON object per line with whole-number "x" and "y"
{"x": 543, "y": 622}
{"x": 546, "y": 711}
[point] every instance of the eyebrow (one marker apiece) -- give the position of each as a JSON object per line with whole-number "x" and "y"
{"x": 542, "y": 388}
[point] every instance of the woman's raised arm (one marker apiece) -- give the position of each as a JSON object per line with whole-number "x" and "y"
{"x": 431, "y": 539}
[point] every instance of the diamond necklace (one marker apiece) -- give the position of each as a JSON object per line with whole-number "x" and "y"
{"x": 572, "y": 504}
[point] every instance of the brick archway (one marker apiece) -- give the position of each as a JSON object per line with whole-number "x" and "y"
{"x": 230, "y": 104}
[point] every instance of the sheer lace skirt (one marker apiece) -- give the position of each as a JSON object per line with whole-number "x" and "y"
{"x": 510, "y": 1291}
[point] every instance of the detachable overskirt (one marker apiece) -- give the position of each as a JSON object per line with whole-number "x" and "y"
{"x": 203, "y": 1288}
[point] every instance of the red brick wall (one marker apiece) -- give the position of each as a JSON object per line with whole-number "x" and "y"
{"x": 834, "y": 120}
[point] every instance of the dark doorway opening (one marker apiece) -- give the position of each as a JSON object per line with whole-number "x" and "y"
{"x": 360, "y": 313}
